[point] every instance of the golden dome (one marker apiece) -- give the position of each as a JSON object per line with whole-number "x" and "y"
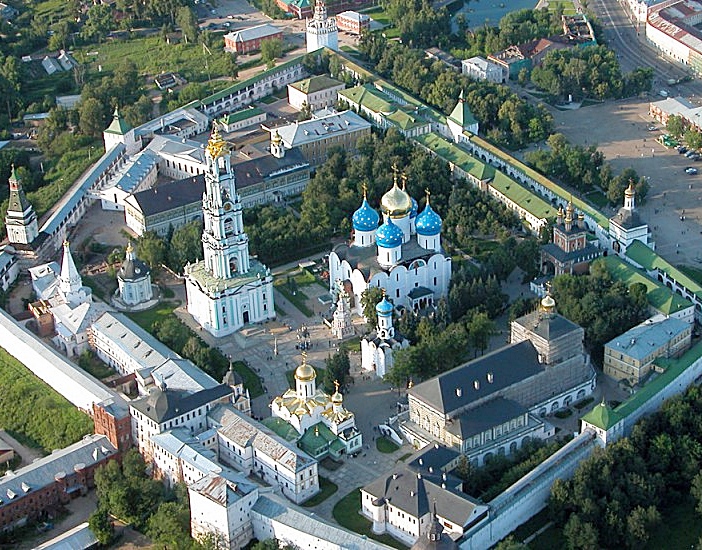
{"x": 336, "y": 397}
{"x": 548, "y": 303}
{"x": 396, "y": 203}
{"x": 305, "y": 373}
{"x": 629, "y": 192}
{"x": 276, "y": 138}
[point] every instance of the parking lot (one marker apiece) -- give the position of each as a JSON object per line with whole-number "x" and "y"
{"x": 673, "y": 208}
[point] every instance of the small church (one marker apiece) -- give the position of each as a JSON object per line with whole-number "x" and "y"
{"x": 377, "y": 347}
{"x": 135, "y": 289}
{"x": 325, "y": 426}
{"x": 626, "y": 226}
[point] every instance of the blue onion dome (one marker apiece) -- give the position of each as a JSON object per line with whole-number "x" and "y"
{"x": 384, "y": 307}
{"x": 415, "y": 208}
{"x": 389, "y": 235}
{"x": 396, "y": 202}
{"x": 365, "y": 218}
{"x": 428, "y": 223}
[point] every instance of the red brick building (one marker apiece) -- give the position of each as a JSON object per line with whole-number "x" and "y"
{"x": 32, "y": 492}
{"x": 249, "y": 40}
{"x": 113, "y": 421}
{"x": 353, "y": 22}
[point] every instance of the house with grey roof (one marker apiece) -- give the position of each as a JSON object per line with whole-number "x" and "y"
{"x": 51, "y": 481}
{"x": 496, "y": 403}
{"x": 630, "y": 355}
{"x": 400, "y": 503}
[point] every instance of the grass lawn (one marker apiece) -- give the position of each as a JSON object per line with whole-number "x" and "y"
{"x": 597, "y": 198}
{"x": 694, "y": 273}
{"x": 146, "y": 319}
{"x": 352, "y": 344}
{"x": 532, "y": 526}
{"x": 567, "y": 5}
{"x": 326, "y": 489}
{"x": 347, "y": 514}
{"x": 299, "y": 299}
{"x": 269, "y": 99}
{"x": 384, "y": 445}
{"x": 152, "y": 54}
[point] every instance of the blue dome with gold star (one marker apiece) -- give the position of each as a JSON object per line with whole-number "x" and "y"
{"x": 389, "y": 235}
{"x": 415, "y": 208}
{"x": 365, "y": 218}
{"x": 428, "y": 222}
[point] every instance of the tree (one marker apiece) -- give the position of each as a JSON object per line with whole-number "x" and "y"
{"x": 271, "y": 48}
{"x": 98, "y": 24}
{"x": 170, "y": 526}
{"x": 187, "y": 21}
{"x": 510, "y": 543}
{"x": 151, "y": 248}
{"x": 101, "y": 526}
{"x": 480, "y": 329}
{"x": 337, "y": 369}
{"x": 305, "y": 112}
{"x": 369, "y": 299}
{"x": 185, "y": 246}
{"x": 693, "y": 138}
{"x": 675, "y": 125}
{"x": 92, "y": 117}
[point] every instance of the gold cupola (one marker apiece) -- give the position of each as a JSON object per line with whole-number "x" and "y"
{"x": 305, "y": 372}
{"x": 216, "y": 146}
{"x": 396, "y": 203}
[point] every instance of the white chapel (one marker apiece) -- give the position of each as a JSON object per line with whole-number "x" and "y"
{"x": 227, "y": 289}
{"x": 321, "y": 30}
{"x": 378, "y": 346}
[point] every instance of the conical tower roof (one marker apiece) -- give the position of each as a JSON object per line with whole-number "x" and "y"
{"x": 18, "y": 200}
{"x": 462, "y": 114}
{"x": 118, "y": 125}
{"x": 70, "y": 280}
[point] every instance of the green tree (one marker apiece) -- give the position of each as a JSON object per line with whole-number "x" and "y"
{"x": 369, "y": 299}
{"x": 151, "y": 248}
{"x": 675, "y": 125}
{"x": 170, "y": 526}
{"x": 271, "y": 49}
{"x": 337, "y": 369}
{"x": 693, "y": 138}
{"x": 101, "y": 526}
{"x": 92, "y": 117}
{"x": 98, "y": 24}
{"x": 480, "y": 330}
{"x": 185, "y": 246}
{"x": 187, "y": 21}
{"x": 305, "y": 113}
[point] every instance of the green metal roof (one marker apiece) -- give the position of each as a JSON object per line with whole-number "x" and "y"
{"x": 316, "y": 84}
{"x": 524, "y": 197}
{"x": 673, "y": 369}
{"x": 450, "y": 152}
{"x": 118, "y": 125}
{"x": 281, "y": 428}
{"x": 658, "y": 295}
{"x": 18, "y": 200}
{"x": 234, "y": 88}
{"x": 579, "y": 204}
{"x": 462, "y": 114}
{"x": 316, "y": 438}
{"x": 602, "y": 416}
{"x": 241, "y": 115}
{"x": 651, "y": 261}
{"x": 371, "y": 98}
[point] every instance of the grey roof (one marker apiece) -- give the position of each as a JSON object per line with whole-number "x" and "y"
{"x": 271, "y": 506}
{"x": 455, "y": 389}
{"x": 642, "y": 340}
{"x": 434, "y": 455}
{"x": 251, "y": 33}
{"x": 485, "y": 416}
{"x": 298, "y": 133}
{"x": 78, "y": 538}
{"x": 170, "y": 195}
{"x": 246, "y": 432}
{"x": 548, "y": 327}
{"x": 256, "y": 170}
{"x": 574, "y": 255}
{"x": 133, "y": 270}
{"x": 161, "y": 406}
{"x": 628, "y": 219}
{"x": 414, "y": 493}
{"x": 181, "y": 444}
{"x": 40, "y": 473}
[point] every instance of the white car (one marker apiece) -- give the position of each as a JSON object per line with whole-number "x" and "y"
{"x": 691, "y": 171}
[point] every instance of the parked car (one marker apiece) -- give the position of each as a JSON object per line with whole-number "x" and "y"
{"x": 690, "y": 170}
{"x": 652, "y": 128}
{"x": 689, "y": 154}
{"x": 682, "y": 150}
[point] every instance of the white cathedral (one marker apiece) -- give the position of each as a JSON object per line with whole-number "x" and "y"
{"x": 403, "y": 256}
{"x": 321, "y": 30}
{"x": 228, "y": 289}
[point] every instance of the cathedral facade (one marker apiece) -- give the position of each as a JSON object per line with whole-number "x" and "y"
{"x": 403, "y": 255}
{"x": 227, "y": 289}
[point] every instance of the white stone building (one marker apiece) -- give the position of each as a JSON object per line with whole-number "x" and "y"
{"x": 321, "y": 30}
{"x": 134, "y": 280}
{"x": 120, "y": 132}
{"x": 227, "y": 289}
{"x": 317, "y": 92}
{"x": 479, "y": 68}
{"x": 250, "y": 447}
{"x": 21, "y": 219}
{"x": 404, "y": 255}
{"x": 626, "y": 226}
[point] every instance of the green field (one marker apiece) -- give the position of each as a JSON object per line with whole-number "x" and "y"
{"x": 326, "y": 489}
{"x": 146, "y": 319}
{"x": 34, "y": 413}
{"x": 152, "y": 56}
{"x": 566, "y": 5}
